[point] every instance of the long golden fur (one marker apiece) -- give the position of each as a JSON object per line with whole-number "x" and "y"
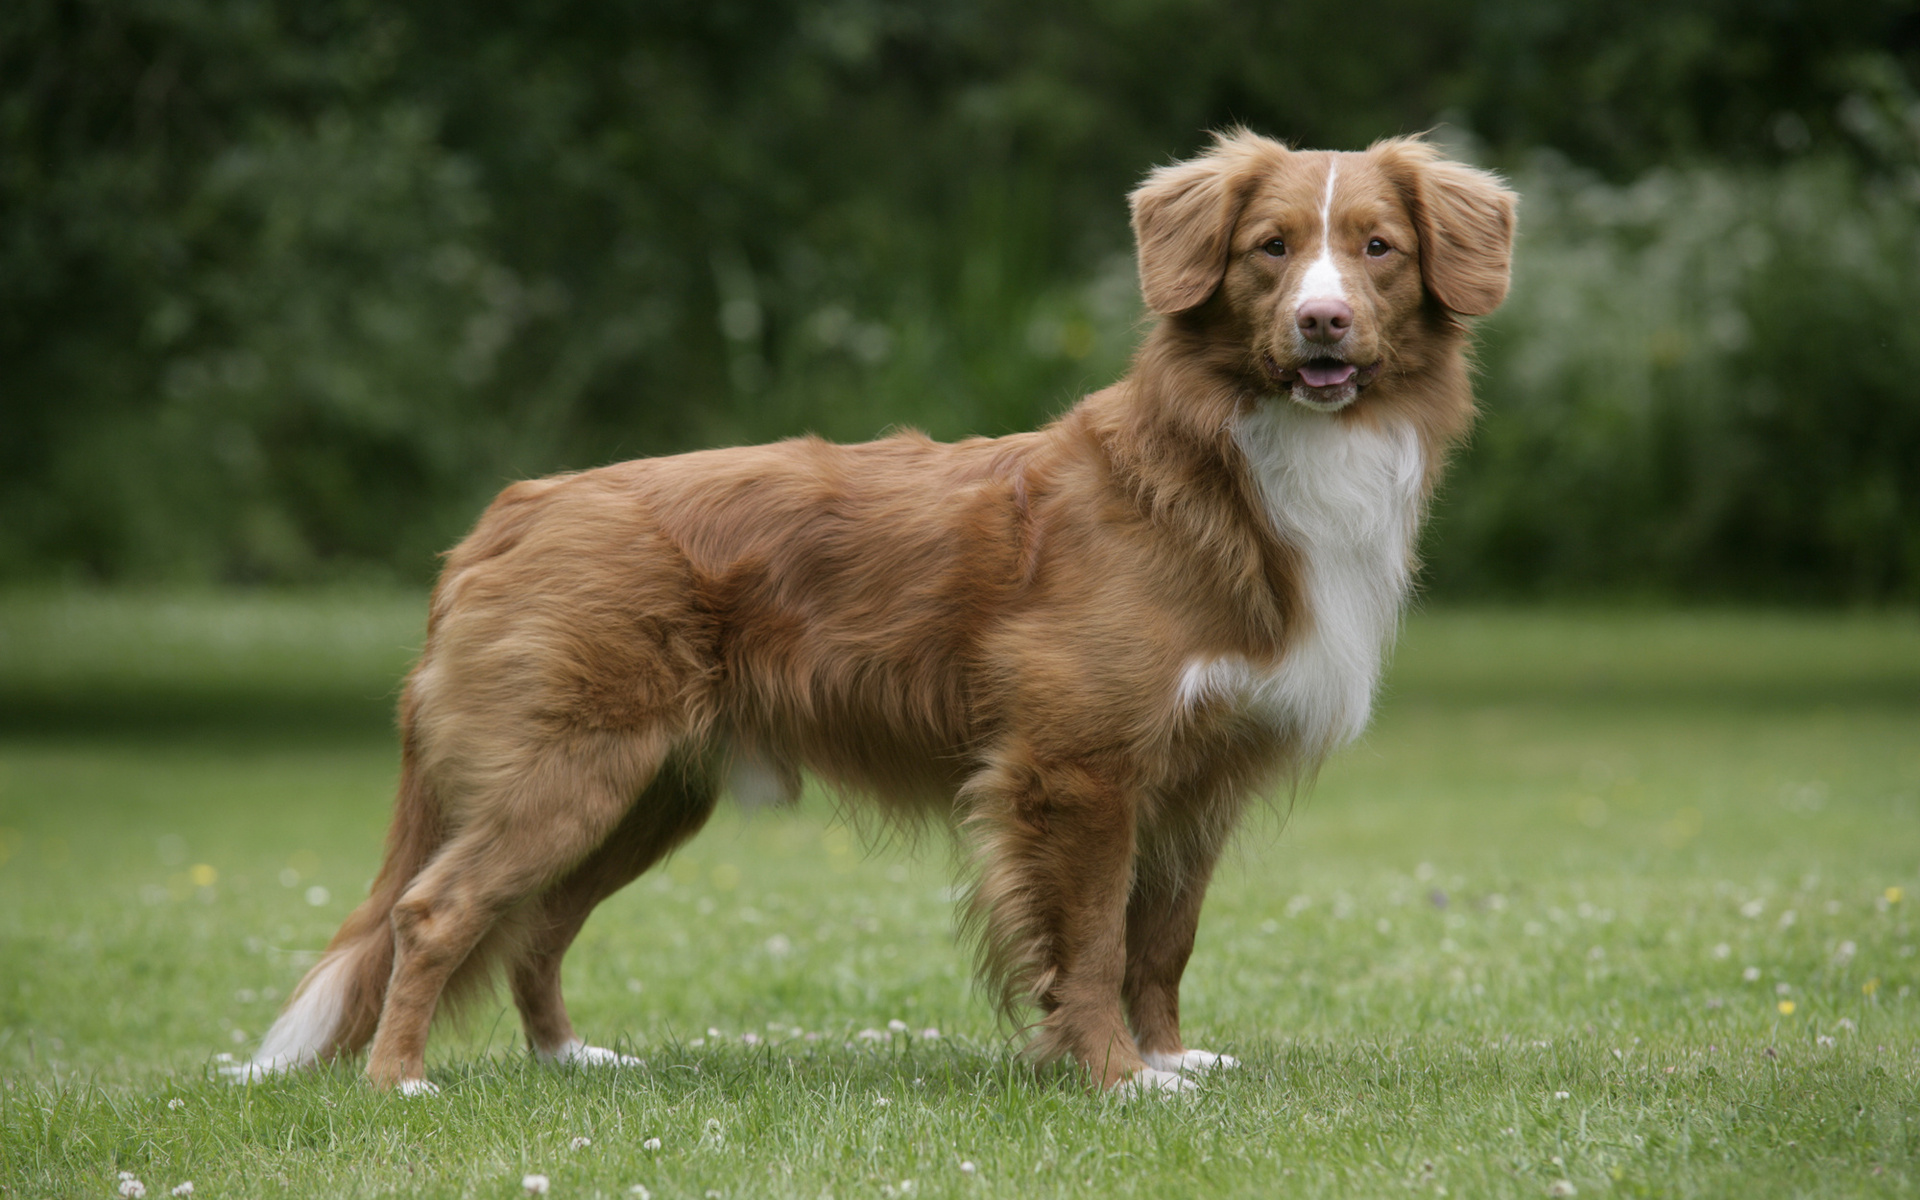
{"x": 1085, "y": 646}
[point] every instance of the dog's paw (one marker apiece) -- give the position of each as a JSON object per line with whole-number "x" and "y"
{"x": 577, "y": 1053}
{"x": 1191, "y": 1061}
{"x": 413, "y": 1088}
{"x": 1151, "y": 1081}
{"x": 238, "y": 1073}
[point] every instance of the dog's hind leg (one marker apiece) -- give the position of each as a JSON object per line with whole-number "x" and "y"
{"x": 532, "y": 825}
{"x": 671, "y": 810}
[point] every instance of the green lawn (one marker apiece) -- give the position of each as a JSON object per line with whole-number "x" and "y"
{"x": 1621, "y": 901}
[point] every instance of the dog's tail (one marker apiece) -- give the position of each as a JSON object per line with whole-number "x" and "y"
{"x": 336, "y": 1006}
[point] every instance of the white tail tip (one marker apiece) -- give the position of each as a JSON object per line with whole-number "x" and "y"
{"x": 306, "y": 1029}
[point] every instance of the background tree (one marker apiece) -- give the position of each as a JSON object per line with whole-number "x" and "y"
{"x": 287, "y": 291}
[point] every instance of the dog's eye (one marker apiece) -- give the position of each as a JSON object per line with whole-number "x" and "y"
{"x": 1376, "y": 248}
{"x": 1276, "y": 247}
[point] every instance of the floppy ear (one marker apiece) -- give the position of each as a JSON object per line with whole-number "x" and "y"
{"x": 1465, "y": 220}
{"x": 1183, "y": 216}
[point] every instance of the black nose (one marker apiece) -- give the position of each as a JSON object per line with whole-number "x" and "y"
{"x": 1324, "y": 321}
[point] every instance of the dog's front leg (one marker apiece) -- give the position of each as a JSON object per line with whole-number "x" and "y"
{"x": 1056, "y": 843}
{"x": 1163, "y": 916}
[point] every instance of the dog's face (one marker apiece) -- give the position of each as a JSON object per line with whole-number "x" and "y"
{"x": 1318, "y": 266}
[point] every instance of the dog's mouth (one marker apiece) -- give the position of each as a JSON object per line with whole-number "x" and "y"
{"x": 1322, "y": 372}
{"x": 1324, "y": 382}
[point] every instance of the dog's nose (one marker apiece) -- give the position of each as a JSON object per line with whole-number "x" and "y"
{"x": 1324, "y": 321}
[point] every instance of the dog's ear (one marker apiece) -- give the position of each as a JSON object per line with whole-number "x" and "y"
{"x": 1464, "y": 217}
{"x": 1183, "y": 218}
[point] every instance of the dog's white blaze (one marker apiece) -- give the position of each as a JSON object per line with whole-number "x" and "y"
{"x": 307, "y": 1026}
{"x": 1323, "y": 280}
{"x": 1348, "y": 498}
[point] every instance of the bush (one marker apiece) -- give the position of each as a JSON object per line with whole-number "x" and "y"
{"x": 1706, "y": 382}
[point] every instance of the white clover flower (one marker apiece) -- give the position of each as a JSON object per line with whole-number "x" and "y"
{"x": 1781, "y": 989}
{"x": 182, "y": 1189}
{"x": 650, "y": 1144}
{"x": 930, "y": 1034}
{"x": 750, "y": 1039}
{"x": 1751, "y": 974}
{"x": 1845, "y": 1025}
{"x": 1823, "y": 1040}
{"x": 881, "y": 1101}
{"x": 897, "y": 1025}
{"x": 1563, "y": 1095}
{"x": 639, "y": 1192}
{"x": 132, "y": 1188}
{"x": 535, "y": 1185}
{"x": 967, "y": 1168}
{"x": 1752, "y": 909}
{"x": 580, "y": 1143}
{"x": 1844, "y": 952}
{"x": 176, "y": 1103}
{"x": 871, "y": 1035}
{"x": 1723, "y": 951}
{"x": 1560, "y": 1187}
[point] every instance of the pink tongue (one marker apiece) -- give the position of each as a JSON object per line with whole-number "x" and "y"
{"x": 1327, "y": 375}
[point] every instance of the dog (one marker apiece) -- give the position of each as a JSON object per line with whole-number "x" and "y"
{"x": 1087, "y": 647}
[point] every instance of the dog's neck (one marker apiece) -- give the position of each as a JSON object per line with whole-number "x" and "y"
{"x": 1315, "y": 512}
{"x": 1195, "y": 441}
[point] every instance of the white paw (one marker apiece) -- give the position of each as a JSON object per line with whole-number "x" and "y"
{"x": 412, "y": 1088}
{"x": 1151, "y": 1081}
{"x": 238, "y": 1073}
{"x": 577, "y": 1053}
{"x": 1191, "y": 1061}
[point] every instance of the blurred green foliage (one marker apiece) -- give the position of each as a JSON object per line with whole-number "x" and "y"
{"x": 287, "y": 290}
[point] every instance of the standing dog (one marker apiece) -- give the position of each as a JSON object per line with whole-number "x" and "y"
{"x": 1089, "y": 645}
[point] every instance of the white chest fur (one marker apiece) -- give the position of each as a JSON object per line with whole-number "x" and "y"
{"x": 1348, "y": 498}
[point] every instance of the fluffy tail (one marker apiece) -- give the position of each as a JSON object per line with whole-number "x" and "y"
{"x": 337, "y": 1005}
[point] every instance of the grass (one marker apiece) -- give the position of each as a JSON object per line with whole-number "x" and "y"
{"x": 1621, "y": 902}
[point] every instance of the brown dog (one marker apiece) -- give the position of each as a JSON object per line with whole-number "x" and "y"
{"x": 1088, "y": 645}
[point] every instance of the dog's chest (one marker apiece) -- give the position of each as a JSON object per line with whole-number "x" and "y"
{"x": 1348, "y": 499}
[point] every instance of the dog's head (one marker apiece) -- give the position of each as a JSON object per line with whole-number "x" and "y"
{"x": 1321, "y": 265}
